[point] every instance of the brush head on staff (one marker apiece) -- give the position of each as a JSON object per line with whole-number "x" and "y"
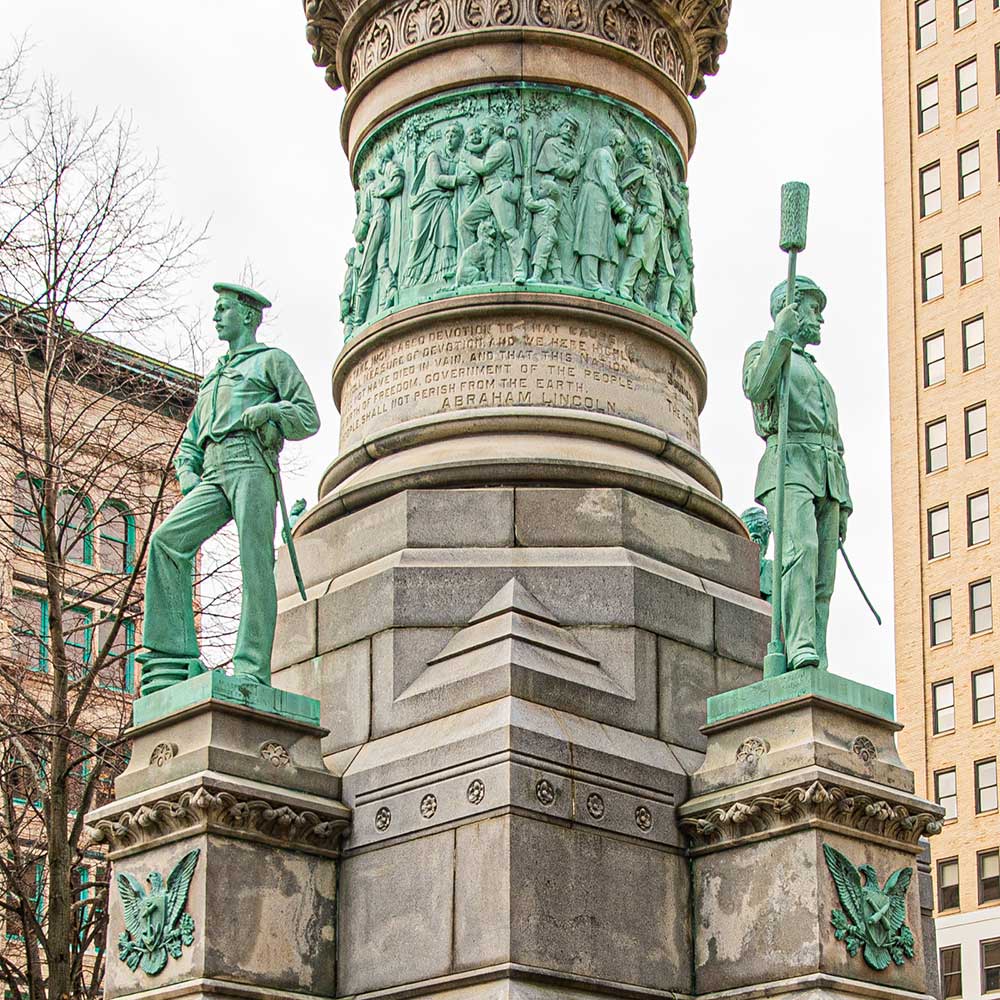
{"x": 794, "y": 216}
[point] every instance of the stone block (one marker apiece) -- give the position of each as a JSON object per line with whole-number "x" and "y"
{"x": 742, "y": 625}
{"x": 615, "y": 517}
{"x": 687, "y": 677}
{"x": 294, "y": 637}
{"x": 396, "y": 920}
{"x": 483, "y": 915}
{"x": 342, "y": 682}
{"x": 264, "y": 917}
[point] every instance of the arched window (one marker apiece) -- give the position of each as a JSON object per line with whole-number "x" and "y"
{"x": 27, "y": 526}
{"x": 75, "y": 517}
{"x": 117, "y": 527}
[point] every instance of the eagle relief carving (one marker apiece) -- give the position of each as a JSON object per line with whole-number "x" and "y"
{"x": 874, "y": 918}
{"x": 155, "y": 922}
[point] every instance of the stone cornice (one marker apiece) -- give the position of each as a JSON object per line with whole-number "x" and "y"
{"x": 681, "y": 38}
{"x": 794, "y": 806}
{"x": 203, "y": 809}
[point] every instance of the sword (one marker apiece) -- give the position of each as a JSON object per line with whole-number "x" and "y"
{"x": 286, "y": 530}
{"x": 854, "y": 576}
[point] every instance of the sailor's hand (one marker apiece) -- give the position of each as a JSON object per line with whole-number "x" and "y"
{"x": 256, "y": 416}
{"x": 786, "y": 324}
{"x": 844, "y": 515}
{"x": 187, "y": 480}
{"x": 270, "y": 436}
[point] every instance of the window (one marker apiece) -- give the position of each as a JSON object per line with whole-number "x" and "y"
{"x": 27, "y": 528}
{"x": 966, "y": 86}
{"x": 940, "y": 618}
{"x": 988, "y": 865}
{"x": 984, "y": 705}
{"x": 986, "y": 785}
{"x": 932, "y": 273}
{"x": 996, "y": 66}
{"x": 32, "y": 892}
{"x": 968, "y": 171}
{"x": 948, "y": 884}
{"x": 951, "y": 972}
{"x": 973, "y": 343}
{"x": 971, "y": 251}
{"x": 934, "y": 359}
{"x": 975, "y": 431}
{"x": 990, "y": 959}
{"x": 981, "y": 606}
{"x": 926, "y": 23}
{"x": 978, "y": 506}
{"x": 943, "y": 697}
{"x": 927, "y": 106}
{"x": 117, "y": 538}
{"x": 965, "y": 13}
{"x": 937, "y": 445}
{"x": 938, "y": 533}
{"x": 946, "y": 792}
{"x": 77, "y": 639}
{"x": 29, "y": 629}
{"x": 930, "y": 190}
{"x": 75, "y": 517}
{"x": 118, "y": 671}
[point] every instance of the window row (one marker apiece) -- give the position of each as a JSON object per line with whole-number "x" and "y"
{"x": 926, "y": 18}
{"x": 82, "y": 638}
{"x": 987, "y": 878}
{"x": 966, "y": 95}
{"x": 980, "y": 612}
{"x": 936, "y": 438}
{"x": 984, "y": 705}
{"x": 111, "y": 530}
{"x": 970, "y": 251}
{"x": 989, "y": 968}
{"x": 973, "y": 351}
{"x": 946, "y": 788}
{"x": 969, "y": 180}
{"x": 977, "y": 521}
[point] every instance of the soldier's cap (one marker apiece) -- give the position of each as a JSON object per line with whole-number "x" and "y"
{"x": 802, "y": 284}
{"x": 246, "y": 295}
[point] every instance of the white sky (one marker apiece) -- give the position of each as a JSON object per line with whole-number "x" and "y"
{"x": 225, "y": 93}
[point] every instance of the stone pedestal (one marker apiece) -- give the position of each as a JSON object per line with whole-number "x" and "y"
{"x": 780, "y": 780}
{"x": 243, "y": 796}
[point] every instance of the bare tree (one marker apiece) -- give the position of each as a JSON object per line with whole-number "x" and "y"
{"x": 89, "y": 271}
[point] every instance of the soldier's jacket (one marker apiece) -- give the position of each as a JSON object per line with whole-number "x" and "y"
{"x": 255, "y": 374}
{"x": 815, "y": 453}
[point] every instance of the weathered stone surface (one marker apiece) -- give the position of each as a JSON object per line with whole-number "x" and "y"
{"x": 396, "y": 918}
{"x": 742, "y": 624}
{"x": 294, "y": 639}
{"x": 609, "y": 517}
{"x": 484, "y": 900}
{"x": 342, "y": 681}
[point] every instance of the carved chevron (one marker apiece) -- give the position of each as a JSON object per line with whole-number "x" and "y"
{"x": 815, "y": 801}
{"x": 664, "y": 33}
{"x": 221, "y": 812}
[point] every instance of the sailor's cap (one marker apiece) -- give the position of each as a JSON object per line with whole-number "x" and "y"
{"x": 246, "y": 295}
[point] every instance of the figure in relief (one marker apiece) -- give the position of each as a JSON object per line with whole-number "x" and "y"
{"x": 501, "y": 171}
{"x": 476, "y": 265}
{"x": 681, "y": 304}
{"x": 382, "y": 243}
{"x": 433, "y": 228}
{"x": 647, "y": 256}
{"x": 546, "y": 212}
{"x": 347, "y": 296}
{"x": 817, "y": 500}
{"x": 600, "y": 204}
{"x": 561, "y": 159}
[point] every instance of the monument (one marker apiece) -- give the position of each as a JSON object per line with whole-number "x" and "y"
{"x": 518, "y": 743}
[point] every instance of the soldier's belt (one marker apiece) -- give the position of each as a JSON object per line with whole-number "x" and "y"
{"x": 811, "y": 437}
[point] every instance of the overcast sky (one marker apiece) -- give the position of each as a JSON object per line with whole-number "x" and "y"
{"x": 224, "y": 92}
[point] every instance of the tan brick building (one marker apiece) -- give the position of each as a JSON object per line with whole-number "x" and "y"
{"x": 113, "y": 419}
{"x": 941, "y": 79}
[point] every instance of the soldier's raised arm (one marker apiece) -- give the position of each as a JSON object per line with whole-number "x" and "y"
{"x": 762, "y": 366}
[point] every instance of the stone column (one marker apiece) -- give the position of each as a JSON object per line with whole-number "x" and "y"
{"x": 522, "y": 580}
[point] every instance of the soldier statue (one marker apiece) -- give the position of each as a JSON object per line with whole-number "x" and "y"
{"x": 248, "y": 406}
{"x": 817, "y": 501}
{"x": 759, "y": 528}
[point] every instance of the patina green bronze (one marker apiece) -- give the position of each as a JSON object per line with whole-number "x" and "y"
{"x": 757, "y": 524}
{"x": 155, "y": 923}
{"x": 249, "y": 404}
{"x": 873, "y": 919}
{"x": 516, "y": 186}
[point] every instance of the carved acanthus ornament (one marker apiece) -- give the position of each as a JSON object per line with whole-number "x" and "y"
{"x": 830, "y": 803}
{"x": 681, "y": 38}
{"x": 202, "y": 809}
